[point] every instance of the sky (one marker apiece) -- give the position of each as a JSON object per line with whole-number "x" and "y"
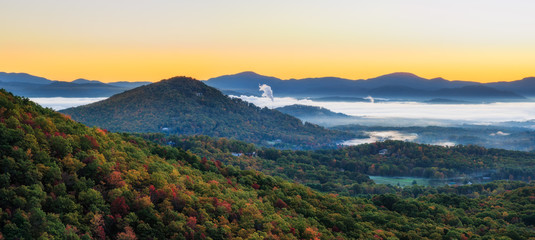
{"x": 140, "y": 40}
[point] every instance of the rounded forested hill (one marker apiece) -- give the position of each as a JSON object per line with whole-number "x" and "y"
{"x": 187, "y": 106}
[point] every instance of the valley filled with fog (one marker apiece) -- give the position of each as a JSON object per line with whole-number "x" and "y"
{"x": 383, "y": 113}
{"x": 507, "y": 125}
{"x": 435, "y": 114}
{"x": 60, "y": 103}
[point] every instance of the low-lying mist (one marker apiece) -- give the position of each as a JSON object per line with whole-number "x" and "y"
{"x": 436, "y": 114}
{"x": 375, "y": 136}
{"x": 59, "y": 103}
{"x": 492, "y": 125}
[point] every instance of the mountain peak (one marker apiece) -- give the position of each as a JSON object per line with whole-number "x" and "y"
{"x": 401, "y": 74}
{"x": 84, "y": 81}
{"x": 181, "y": 82}
{"x": 186, "y": 86}
{"x": 244, "y": 80}
{"x": 180, "y": 79}
{"x": 23, "y": 78}
{"x": 531, "y": 79}
{"x": 396, "y": 79}
{"x": 248, "y": 73}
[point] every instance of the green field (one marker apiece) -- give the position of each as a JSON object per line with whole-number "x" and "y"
{"x": 408, "y": 181}
{"x": 402, "y": 181}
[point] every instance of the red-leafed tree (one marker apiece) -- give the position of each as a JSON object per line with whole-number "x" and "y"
{"x": 280, "y": 204}
{"x": 118, "y": 206}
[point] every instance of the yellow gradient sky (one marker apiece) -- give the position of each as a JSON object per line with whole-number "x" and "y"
{"x": 141, "y": 40}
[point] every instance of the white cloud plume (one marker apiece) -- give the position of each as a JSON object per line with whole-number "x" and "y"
{"x": 266, "y": 91}
{"x": 370, "y": 98}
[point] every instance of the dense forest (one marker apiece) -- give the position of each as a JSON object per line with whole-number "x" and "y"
{"x": 62, "y": 180}
{"x": 186, "y": 106}
{"x": 345, "y": 170}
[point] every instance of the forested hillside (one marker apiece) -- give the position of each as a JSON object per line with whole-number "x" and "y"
{"x": 346, "y": 170}
{"x": 62, "y": 180}
{"x": 186, "y": 106}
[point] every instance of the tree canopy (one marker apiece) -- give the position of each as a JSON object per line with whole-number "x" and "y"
{"x": 62, "y": 180}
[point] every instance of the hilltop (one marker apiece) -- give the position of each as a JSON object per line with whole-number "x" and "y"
{"x": 184, "y": 105}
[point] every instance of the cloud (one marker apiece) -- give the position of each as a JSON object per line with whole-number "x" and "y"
{"x": 499, "y": 133}
{"x": 370, "y": 98}
{"x": 266, "y": 91}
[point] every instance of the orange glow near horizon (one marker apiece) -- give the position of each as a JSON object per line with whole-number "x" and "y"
{"x": 153, "y": 66}
{"x": 136, "y": 41}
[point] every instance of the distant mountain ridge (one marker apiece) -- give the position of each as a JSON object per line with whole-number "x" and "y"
{"x": 187, "y": 106}
{"x": 525, "y": 86}
{"x": 22, "y": 78}
{"x": 32, "y": 86}
{"x": 85, "y": 81}
{"x": 400, "y": 85}
{"x": 403, "y": 85}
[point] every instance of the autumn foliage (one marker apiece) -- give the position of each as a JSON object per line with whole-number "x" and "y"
{"x": 83, "y": 184}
